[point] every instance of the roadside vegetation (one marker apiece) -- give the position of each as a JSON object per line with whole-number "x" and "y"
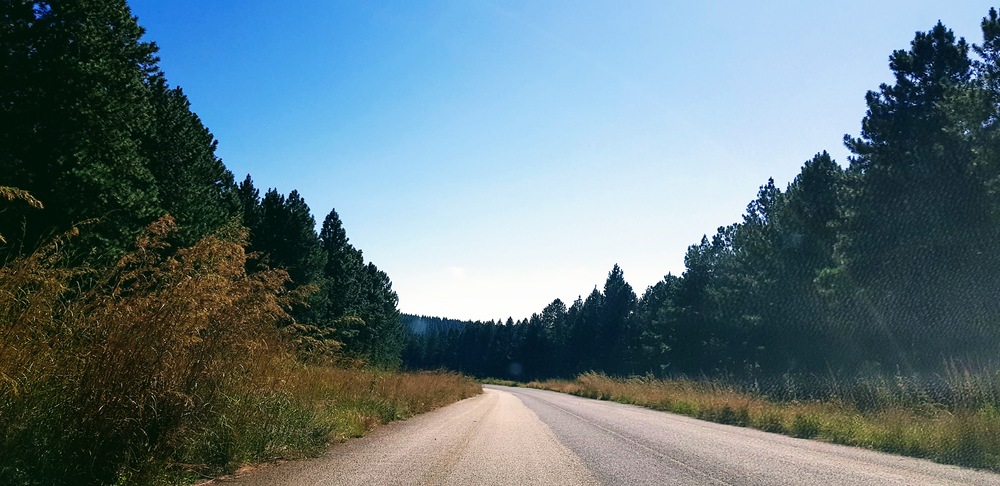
{"x": 953, "y": 419}
{"x": 497, "y": 381}
{"x": 173, "y": 364}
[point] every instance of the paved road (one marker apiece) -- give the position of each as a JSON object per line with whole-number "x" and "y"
{"x": 488, "y": 439}
{"x": 522, "y": 436}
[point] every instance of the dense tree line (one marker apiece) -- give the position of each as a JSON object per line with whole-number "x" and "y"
{"x": 90, "y": 127}
{"x": 891, "y": 263}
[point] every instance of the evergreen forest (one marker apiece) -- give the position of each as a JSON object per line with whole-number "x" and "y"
{"x": 161, "y": 322}
{"x": 91, "y": 130}
{"x": 889, "y": 263}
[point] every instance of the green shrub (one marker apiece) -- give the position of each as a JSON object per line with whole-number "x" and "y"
{"x": 806, "y": 425}
{"x": 771, "y": 421}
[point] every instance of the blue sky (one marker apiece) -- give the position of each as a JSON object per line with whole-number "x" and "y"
{"x": 491, "y": 156}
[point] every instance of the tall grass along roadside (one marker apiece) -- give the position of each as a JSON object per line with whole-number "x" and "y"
{"x": 954, "y": 419}
{"x": 171, "y": 365}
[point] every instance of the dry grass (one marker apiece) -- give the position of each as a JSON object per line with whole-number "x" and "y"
{"x": 308, "y": 408}
{"x": 965, "y": 433}
{"x": 362, "y": 399}
{"x": 169, "y": 364}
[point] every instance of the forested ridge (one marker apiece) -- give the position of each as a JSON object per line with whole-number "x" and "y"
{"x": 90, "y": 127}
{"x": 891, "y": 264}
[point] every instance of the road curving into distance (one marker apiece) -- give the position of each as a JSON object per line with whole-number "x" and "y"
{"x": 523, "y": 436}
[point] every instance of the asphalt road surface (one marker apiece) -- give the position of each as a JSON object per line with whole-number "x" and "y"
{"x": 522, "y": 436}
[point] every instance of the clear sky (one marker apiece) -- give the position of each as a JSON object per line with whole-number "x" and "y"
{"x": 491, "y": 156}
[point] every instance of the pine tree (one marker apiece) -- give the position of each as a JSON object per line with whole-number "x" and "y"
{"x": 588, "y": 351}
{"x": 249, "y": 205}
{"x": 194, "y": 185}
{"x": 620, "y": 340}
{"x": 916, "y": 205}
{"x": 74, "y": 111}
{"x": 656, "y": 319}
{"x": 344, "y": 268}
{"x": 287, "y": 235}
